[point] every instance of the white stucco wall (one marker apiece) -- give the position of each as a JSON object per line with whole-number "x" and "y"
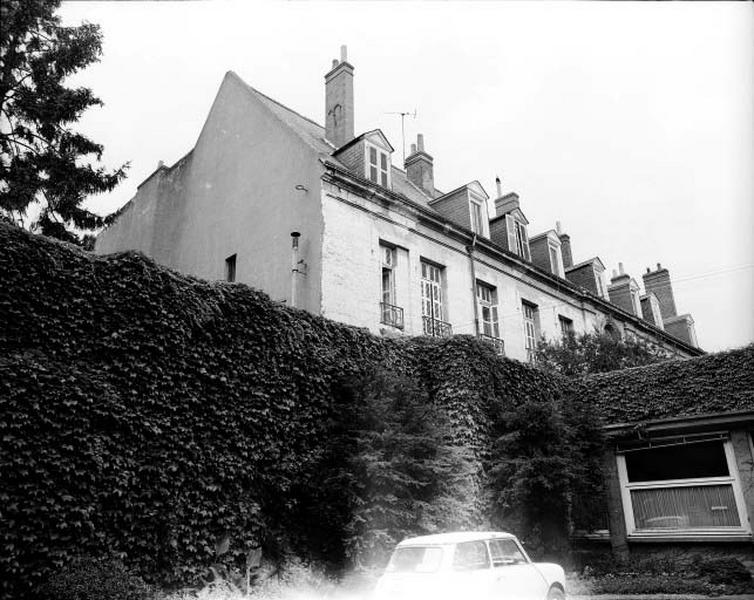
{"x": 235, "y": 196}
{"x": 353, "y": 229}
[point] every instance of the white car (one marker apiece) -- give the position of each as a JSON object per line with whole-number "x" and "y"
{"x": 469, "y": 565}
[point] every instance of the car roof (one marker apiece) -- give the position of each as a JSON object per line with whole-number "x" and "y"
{"x": 454, "y": 537}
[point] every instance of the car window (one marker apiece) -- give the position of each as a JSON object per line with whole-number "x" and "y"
{"x": 415, "y": 559}
{"x": 505, "y": 552}
{"x": 471, "y": 555}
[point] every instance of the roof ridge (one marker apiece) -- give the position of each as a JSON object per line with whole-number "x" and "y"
{"x": 271, "y": 99}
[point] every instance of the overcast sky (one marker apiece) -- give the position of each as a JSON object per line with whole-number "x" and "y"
{"x": 631, "y": 123}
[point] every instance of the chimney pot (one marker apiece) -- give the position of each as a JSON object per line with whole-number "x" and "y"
{"x": 344, "y": 53}
{"x": 334, "y": 62}
{"x": 413, "y": 148}
{"x": 648, "y": 270}
{"x": 659, "y": 266}
{"x": 615, "y": 273}
{"x": 557, "y": 227}
{"x": 620, "y": 268}
{"x": 499, "y": 187}
{"x": 420, "y": 142}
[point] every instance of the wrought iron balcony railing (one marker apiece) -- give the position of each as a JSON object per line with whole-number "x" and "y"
{"x": 437, "y": 328}
{"x": 391, "y": 315}
{"x": 496, "y": 343}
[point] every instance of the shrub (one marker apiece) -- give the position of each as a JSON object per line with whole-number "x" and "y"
{"x": 723, "y": 570}
{"x": 88, "y": 578}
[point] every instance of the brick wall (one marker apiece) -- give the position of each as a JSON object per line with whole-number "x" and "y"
{"x": 353, "y": 158}
{"x": 658, "y": 282}
{"x": 455, "y": 208}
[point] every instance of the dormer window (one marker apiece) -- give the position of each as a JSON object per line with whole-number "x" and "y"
{"x": 517, "y": 235}
{"x": 556, "y": 260}
{"x": 477, "y": 220}
{"x": 378, "y": 165}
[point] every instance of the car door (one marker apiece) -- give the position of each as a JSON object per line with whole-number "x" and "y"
{"x": 471, "y": 571}
{"x": 515, "y": 577}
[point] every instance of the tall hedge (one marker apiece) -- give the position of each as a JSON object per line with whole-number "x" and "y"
{"x": 715, "y": 383}
{"x": 149, "y": 413}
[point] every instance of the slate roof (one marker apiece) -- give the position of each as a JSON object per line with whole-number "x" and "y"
{"x": 313, "y": 134}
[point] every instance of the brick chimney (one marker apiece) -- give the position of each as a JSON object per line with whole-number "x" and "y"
{"x": 419, "y": 167}
{"x": 339, "y": 119}
{"x": 623, "y": 291}
{"x": 658, "y": 282}
{"x": 565, "y": 246}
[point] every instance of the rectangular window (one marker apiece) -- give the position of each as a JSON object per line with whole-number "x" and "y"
{"x": 390, "y": 313}
{"x": 505, "y": 552}
{"x": 556, "y": 262}
{"x": 531, "y": 329}
{"x": 522, "y": 242}
{"x": 487, "y": 298}
{"x": 433, "y": 309}
{"x": 600, "y": 284}
{"x": 230, "y": 268}
{"x": 476, "y": 217}
{"x": 378, "y": 167}
{"x": 566, "y": 326}
{"x": 681, "y": 485}
{"x": 470, "y": 556}
{"x": 383, "y": 169}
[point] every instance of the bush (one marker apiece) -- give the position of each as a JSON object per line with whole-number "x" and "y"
{"x": 88, "y": 578}
{"x": 723, "y": 570}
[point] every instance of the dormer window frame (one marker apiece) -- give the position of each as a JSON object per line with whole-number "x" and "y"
{"x": 478, "y": 216}
{"x": 555, "y": 253}
{"x": 521, "y": 238}
{"x": 381, "y": 166}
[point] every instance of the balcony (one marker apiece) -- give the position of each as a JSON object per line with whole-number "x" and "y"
{"x": 391, "y": 315}
{"x": 437, "y": 328}
{"x": 497, "y": 344}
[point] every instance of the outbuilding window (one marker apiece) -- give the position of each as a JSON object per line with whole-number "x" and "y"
{"x": 681, "y": 486}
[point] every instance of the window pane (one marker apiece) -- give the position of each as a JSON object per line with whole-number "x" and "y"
{"x": 383, "y": 178}
{"x": 505, "y": 552}
{"x": 684, "y": 461}
{"x": 373, "y": 156}
{"x": 471, "y": 555}
{"x": 373, "y": 174}
{"x": 685, "y": 507}
{"x": 415, "y": 559}
{"x": 383, "y": 161}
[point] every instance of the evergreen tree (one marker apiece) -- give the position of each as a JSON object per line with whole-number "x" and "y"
{"x": 595, "y": 353}
{"x": 44, "y": 163}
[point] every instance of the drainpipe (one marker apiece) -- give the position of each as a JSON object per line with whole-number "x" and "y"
{"x": 294, "y": 266}
{"x": 470, "y": 250}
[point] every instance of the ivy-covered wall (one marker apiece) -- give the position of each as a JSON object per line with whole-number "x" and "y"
{"x": 722, "y": 382}
{"x": 147, "y": 413}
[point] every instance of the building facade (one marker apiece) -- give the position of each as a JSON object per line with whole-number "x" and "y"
{"x": 320, "y": 218}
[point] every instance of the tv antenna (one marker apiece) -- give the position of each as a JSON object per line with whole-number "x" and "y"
{"x": 403, "y": 127}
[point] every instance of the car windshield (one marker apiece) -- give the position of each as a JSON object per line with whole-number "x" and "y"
{"x": 415, "y": 559}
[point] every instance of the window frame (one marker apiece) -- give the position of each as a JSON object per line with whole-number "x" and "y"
{"x": 476, "y": 211}
{"x": 568, "y": 330}
{"x": 534, "y": 320}
{"x": 383, "y": 175}
{"x": 554, "y": 252}
{"x": 522, "y": 240}
{"x": 231, "y": 263}
{"x": 490, "y": 303}
{"x": 733, "y": 479}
